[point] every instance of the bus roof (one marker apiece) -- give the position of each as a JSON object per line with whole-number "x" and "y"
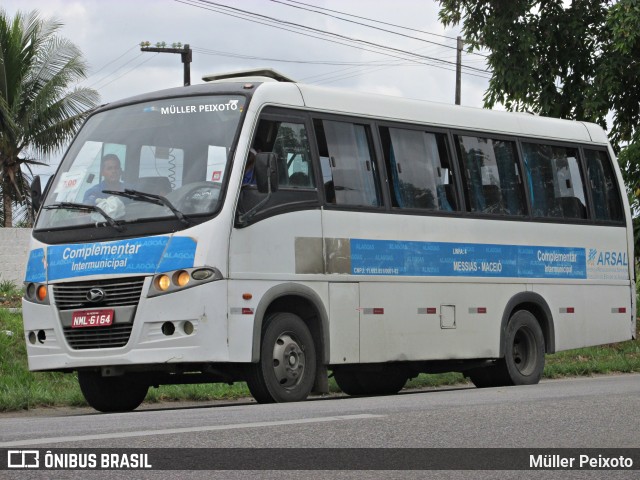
{"x": 272, "y": 88}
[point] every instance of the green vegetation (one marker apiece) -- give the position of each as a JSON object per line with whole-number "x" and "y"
{"x": 593, "y": 77}
{"x": 10, "y": 294}
{"x": 22, "y": 390}
{"x": 41, "y": 106}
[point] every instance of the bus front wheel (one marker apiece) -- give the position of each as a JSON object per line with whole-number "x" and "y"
{"x": 112, "y": 394}
{"x": 523, "y": 362}
{"x": 287, "y": 367}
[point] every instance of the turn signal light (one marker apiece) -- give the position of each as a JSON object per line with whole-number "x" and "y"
{"x": 41, "y": 292}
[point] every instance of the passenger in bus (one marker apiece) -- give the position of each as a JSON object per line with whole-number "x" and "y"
{"x": 249, "y": 176}
{"x": 110, "y": 172}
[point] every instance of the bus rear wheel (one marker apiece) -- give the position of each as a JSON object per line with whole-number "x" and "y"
{"x": 353, "y": 381}
{"x": 287, "y": 367}
{"x": 112, "y": 394}
{"x": 523, "y": 362}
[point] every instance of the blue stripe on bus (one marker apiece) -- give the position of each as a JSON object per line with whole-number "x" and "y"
{"x": 390, "y": 257}
{"x": 132, "y": 256}
{"x": 36, "y": 268}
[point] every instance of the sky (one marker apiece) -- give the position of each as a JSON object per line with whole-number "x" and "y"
{"x": 109, "y": 32}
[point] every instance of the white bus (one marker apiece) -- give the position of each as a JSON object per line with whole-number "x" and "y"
{"x": 260, "y": 230}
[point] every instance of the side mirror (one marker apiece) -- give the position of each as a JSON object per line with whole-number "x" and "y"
{"x": 36, "y": 195}
{"x": 266, "y": 172}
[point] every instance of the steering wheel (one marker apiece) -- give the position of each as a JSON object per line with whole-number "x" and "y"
{"x": 194, "y": 198}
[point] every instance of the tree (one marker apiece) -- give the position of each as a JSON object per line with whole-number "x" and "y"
{"x": 580, "y": 61}
{"x": 39, "y": 112}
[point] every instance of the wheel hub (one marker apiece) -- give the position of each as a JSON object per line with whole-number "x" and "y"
{"x": 288, "y": 361}
{"x": 524, "y": 353}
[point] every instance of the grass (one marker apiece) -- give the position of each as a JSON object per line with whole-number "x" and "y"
{"x": 21, "y": 389}
{"x": 10, "y": 294}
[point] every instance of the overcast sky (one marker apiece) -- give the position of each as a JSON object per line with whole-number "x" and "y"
{"x": 109, "y": 33}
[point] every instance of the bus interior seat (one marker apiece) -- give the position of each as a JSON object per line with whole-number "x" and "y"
{"x": 425, "y": 200}
{"x": 572, "y": 207}
{"x": 299, "y": 179}
{"x": 492, "y": 199}
{"x": 154, "y": 185}
{"x": 445, "y": 196}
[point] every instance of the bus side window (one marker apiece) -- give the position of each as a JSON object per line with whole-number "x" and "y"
{"x": 492, "y": 176}
{"x": 555, "y": 175}
{"x": 418, "y": 167}
{"x": 349, "y": 169}
{"x": 606, "y": 198}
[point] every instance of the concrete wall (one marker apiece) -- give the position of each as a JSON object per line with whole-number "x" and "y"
{"x": 14, "y": 251}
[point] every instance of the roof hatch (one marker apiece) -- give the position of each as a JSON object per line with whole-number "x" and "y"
{"x": 255, "y": 75}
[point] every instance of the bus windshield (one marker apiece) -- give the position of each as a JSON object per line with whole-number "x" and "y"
{"x": 152, "y": 160}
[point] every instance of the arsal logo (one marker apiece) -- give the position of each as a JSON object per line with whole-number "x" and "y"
{"x": 607, "y": 258}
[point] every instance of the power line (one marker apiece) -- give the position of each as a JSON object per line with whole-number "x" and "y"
{"x": 242, "y": 14}
{"x": 116, "y": 70}
{"x": 374, "y": 63}
{"x": 129, "y": 71}
{"x": 343, "y": 37}
{"x": 364, "y": 24}
{"x": 378, "y": 21}
{"x": 112, "y": 61}
{"x": 351, "y": 65}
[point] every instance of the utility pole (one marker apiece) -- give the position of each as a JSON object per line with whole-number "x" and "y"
{"x": 185, "y": 53}
{"x": 458, "y": 70}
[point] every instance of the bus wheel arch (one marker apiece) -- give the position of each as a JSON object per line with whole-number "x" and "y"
{"x": 306, "y": 304}
{"x": 539, "y": 308}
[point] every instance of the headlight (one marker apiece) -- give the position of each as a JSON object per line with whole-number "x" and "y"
{"x": 169, "y": 282}
{"x": 36, "y": 293}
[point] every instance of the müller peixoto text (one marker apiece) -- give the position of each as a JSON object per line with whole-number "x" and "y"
{"x": 581, "y": 461}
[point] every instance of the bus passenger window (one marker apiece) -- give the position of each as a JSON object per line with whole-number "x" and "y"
{"x": 555, "y": 181}
{"x": 418, "y": 168}
{"x": 493, "y": 184}
{"x": 348, "y": 165}
{"x": 606, "y": 198}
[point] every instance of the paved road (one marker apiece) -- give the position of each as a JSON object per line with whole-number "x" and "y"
{"x": 600, "y": 412}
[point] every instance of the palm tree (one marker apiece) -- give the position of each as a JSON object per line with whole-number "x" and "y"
{"x": 39, "y": 111}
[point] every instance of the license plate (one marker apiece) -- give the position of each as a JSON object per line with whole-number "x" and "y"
{"x": 92, "y": 318}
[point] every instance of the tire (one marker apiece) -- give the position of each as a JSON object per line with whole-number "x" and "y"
{"x": 523, "y": 361}
{"x": 287, "y": 367}
{"x": 491, "y": 376}
{"x": 356, "y": 382}
{"x": 524, "y": 349}
{"x": 112, "y": 394}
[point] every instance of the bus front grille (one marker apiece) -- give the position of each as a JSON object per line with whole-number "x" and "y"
{"x": 121, "y": 295}
{"x": 103, "y": 337}
{"x": 118, "y": 292}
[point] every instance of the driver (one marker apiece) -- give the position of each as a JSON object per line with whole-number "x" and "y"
{"x": 111, "y": 172}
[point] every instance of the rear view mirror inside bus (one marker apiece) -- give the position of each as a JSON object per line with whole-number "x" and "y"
{"x": 266, "y": 171}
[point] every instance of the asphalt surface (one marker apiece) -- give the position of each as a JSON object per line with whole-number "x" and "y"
{"x": 581, "y": 413}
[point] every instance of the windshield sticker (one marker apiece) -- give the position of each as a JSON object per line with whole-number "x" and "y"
{"x": 231, "y": 105}
{"x": 69, "y": 182}
{"x": 138, "y": 255}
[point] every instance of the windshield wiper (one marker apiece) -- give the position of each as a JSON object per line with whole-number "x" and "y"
{"x": 85, "y": 208}
{"x": 151, "y": 198}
